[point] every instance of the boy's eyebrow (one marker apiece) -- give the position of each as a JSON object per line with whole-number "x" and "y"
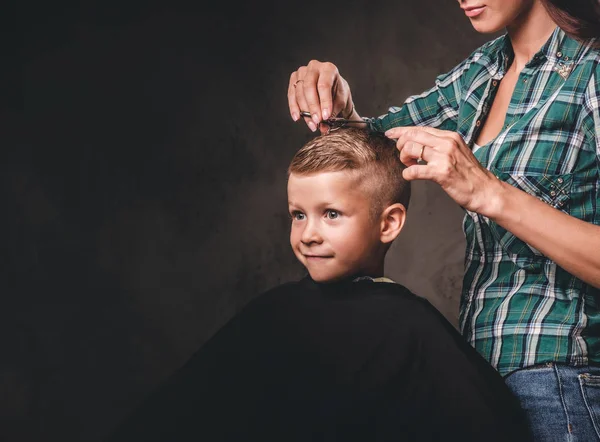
{"x": 329, "y": 204}
{"x": 320, "y": 205}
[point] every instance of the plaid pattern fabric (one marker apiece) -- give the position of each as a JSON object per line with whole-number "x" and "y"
{"x": 518, "y": 308}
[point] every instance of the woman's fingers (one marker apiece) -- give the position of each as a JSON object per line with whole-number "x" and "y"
{"x": 318, "y": 86}
{"x": 291, "y": 95}
{"x": 420, "y": 145}
{"x": 450, "y": 163}
{"x": 410, "y": 141}
{"x": 412, "y": 153}
{"x": 328, "y": 89}
{"x": 299, "y": 91}
{"x": 318, "y": 89}
{"x": 430, "y": 130}
{"x": 418, "y": 172}
{"x": 404, "y": 135}
{"x": 342, "y": 99}
{"x": 441, "y": 140}
{"x": 308, "y": 89}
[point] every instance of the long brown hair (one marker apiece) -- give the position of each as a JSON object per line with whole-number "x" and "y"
{"x": 578, "y": 18}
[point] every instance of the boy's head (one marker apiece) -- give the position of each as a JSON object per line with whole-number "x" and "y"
{"x": 348, "y": 200}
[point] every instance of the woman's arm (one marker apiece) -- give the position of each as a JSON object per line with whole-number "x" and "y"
{"x": 570, "y": 242}
{"x": 320, "y": 89}
{"x": 436, "y": 107}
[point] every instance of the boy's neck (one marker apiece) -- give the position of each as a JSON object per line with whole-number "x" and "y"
{"x": 374, "y": 274}
{"x": 373, "y": 271}
{"x": 350, "y": 280}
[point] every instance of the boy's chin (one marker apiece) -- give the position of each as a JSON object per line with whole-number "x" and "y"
{"x": 327, "y": 278}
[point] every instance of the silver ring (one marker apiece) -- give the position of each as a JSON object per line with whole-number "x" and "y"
{"x": 420, "y": 159}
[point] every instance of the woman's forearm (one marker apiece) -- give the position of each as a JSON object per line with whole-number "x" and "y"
{"x": 570, "y": 242}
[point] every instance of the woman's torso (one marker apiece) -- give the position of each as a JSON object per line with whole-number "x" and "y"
{"x": 518, "y": 307}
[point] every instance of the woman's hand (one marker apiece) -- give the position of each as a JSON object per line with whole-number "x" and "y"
{"x": 319, "y": 88}
{"x": 450, "y": 163}
{"x": 570, "y": 242}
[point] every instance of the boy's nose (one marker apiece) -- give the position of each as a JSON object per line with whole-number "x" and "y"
{"x": 311, "y": 234}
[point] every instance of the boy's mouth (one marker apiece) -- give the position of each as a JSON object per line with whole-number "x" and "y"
{"x": 317, "y": 257}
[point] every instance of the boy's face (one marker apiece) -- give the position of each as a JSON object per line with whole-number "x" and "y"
{"x": 333, "y": 232}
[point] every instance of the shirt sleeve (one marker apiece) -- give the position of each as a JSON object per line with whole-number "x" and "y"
{"x": 592, "y": 109}
{"x": 436, "y": 107}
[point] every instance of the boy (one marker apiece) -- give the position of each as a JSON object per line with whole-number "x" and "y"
{"x": 344, "y": 354}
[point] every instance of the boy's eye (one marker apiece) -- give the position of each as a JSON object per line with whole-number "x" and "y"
{"x": 298, "y": 216}
{"x": 332, "y": 214}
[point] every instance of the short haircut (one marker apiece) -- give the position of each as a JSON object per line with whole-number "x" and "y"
{"x": 370, "y": 154}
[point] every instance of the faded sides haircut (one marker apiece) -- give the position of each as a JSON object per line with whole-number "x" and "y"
{"x": 370, "y": 155}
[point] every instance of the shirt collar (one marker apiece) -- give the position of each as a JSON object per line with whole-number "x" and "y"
{"x": 369, "y": 278}
{"x": 559, "y": 48}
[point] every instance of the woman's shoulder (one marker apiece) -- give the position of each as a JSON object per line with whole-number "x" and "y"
{"x": 492, "y": 47}
{"x": 489, "y": 52}
{"x": 593, "y": 59}
{"x": 479, "y": 60}
{"x": 588, "y": 76}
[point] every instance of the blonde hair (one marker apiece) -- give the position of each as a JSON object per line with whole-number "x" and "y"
{"x": 371, "y": 155}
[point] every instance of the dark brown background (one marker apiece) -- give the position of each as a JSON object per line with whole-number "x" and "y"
{"x": 143, "y": 156}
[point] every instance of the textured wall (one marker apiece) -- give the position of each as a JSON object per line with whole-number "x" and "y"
{"x": 144, "y": 150}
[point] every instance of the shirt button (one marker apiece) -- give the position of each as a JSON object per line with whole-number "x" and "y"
{"x": 553, "y": 193}
{"x": 566, "y": 58}
{"x": 560, "y": 180}
{"x": 524, "y": 80}
{"x": 478, "y": 123}
{"x": 561, "y": 203}
{"x": 494, "y": 83}
{"x": 559, "y": 54}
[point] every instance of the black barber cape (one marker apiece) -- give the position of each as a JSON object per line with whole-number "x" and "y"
{"x": 351, "y": 361}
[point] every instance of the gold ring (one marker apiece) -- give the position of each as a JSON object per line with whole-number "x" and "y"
{"x": 421, "y": 154}
{"x": 297, "y": 81}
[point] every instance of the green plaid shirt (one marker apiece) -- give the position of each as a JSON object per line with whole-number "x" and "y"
{"x": 518, "y": 308}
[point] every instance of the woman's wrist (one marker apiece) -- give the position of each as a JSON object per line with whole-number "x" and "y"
{"x": 348, "y": 115}
{"x": 495, "y": 200}
{"x": 354, "y": 116}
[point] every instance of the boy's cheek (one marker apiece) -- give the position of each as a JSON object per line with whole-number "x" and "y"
{"x": 293, "y": 234}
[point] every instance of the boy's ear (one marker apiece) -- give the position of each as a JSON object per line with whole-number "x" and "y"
{"x": 392, "y": 221}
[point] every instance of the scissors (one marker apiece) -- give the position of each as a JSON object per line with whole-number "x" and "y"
{"x": 334, "y": 123}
